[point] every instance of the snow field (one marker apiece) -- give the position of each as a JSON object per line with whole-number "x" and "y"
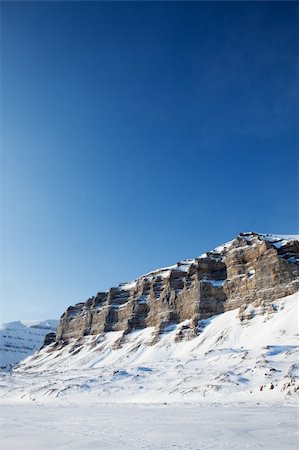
{"x": 151, "y": 427}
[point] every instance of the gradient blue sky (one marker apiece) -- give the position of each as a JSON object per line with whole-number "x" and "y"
{"x": 137, "y": 134}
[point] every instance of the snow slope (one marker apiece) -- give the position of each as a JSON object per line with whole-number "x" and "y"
{"x": 20, "y": 339}
{"x": 231, "y": 360}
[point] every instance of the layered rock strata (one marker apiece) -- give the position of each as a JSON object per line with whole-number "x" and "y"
{"x": 251, "y": 269}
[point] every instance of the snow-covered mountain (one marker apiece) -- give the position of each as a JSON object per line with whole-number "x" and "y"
{"x": 22, "y": 338}
{"x": 219, "y": 327}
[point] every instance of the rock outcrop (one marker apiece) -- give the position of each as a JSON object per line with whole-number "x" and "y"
{"x": 251, "y": 269}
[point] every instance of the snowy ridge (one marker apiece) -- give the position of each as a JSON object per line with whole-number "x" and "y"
{"x": 22, "y": 338}
{"x": 231, "y": 360}
{"x": 277, "y": 240}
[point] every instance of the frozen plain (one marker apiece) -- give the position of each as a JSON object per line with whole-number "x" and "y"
{"x": 163, "y": 427}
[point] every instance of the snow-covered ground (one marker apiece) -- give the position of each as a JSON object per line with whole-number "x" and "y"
{"x": 151, "y": 427}
{"x": 20, "y": 339}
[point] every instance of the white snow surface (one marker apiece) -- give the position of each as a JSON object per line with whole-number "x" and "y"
{"x": 148, "y": 427}
{"x": 230, "y": 361}
{"x": 22, "y": 338}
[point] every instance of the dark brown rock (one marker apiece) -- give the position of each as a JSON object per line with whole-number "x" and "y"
{"x": 49, "y": 339}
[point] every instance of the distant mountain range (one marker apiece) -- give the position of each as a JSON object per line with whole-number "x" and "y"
{"x": 20, "y": 339}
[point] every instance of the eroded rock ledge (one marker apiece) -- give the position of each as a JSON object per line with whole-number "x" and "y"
{"x": 251, "y": 269}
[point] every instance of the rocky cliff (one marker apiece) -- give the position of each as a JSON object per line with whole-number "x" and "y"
{"x": 251, "y": 269}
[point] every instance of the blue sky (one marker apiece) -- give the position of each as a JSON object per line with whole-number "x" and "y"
{"x": 135, "y": 134}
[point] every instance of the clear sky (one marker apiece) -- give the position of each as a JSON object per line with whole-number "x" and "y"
{"x": 135, "y": 134}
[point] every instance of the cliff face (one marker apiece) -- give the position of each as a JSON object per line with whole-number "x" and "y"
{"x": 251, "y": 269}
